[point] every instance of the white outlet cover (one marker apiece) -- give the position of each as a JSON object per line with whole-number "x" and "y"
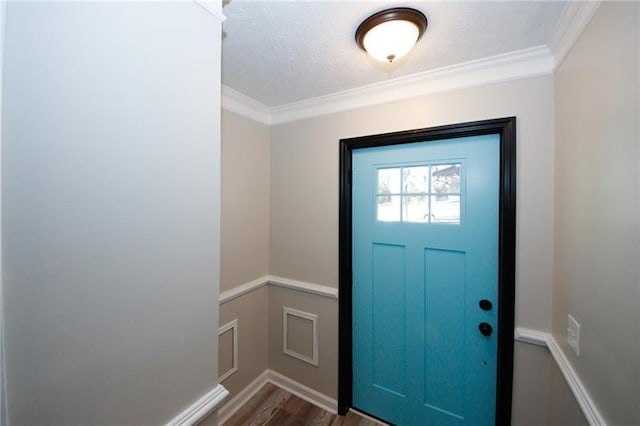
{"x": 573, "y": 335}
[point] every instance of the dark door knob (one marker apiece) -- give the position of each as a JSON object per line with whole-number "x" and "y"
{"x": 485, "y": 305}
{"x": 485, "y": 329}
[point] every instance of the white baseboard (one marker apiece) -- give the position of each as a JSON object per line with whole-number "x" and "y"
{"x": 535, "y": 337}
{"x": 540, "y": 338}
{"x": 197, "y": 411}
{"x": 283, "y": 382}
{"x": 227, "y": 410}
{"x": 303, "y": 392}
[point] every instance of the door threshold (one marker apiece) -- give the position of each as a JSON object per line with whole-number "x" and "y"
{"x": 369, "y": 417}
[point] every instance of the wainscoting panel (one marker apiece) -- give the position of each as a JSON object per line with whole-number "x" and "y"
{"x": 228, "y": 343}
{"x": 300, "y": 335}
{"x": 315, "y": 370}
{"x": 260, "y": 306}
{"x": 252, "y": 351}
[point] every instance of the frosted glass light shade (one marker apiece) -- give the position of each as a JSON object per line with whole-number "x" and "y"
{"x": 392, "y": 33}
{"x": 391, "y": 40}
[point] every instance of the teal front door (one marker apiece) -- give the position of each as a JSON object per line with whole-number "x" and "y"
{"x": 425, "y": 232}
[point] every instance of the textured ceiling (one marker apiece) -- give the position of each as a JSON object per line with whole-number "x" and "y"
{"x": 278, "y": 52}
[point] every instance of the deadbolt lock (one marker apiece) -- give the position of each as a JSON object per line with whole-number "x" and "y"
{"x": 485, "y": 328}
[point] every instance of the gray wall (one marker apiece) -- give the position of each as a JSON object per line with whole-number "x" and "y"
{"x": 245, "y": 242}
{"x": 245, "y": 200}
{"x": 252, "y": 313}
{"x": 531, "y": 385}
{"x": 110, "y": 207}
{"x": 596, "y": 209}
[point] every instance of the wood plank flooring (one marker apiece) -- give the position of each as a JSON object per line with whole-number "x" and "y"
{"x": 276, "y": 407}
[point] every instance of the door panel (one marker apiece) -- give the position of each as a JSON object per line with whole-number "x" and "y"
{"x": 425, "y": 250}
{"x": 389, "y": 344}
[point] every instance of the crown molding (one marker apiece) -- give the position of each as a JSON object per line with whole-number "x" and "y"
{"x": 235, "y": 101}
{"x": 516, "y": 65}
{"x": 572, "y": 21}
{"x": 495, "y": 69}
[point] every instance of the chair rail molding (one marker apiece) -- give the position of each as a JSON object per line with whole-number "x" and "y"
{"x": 317, "y": 289}
{"x": 241, "y": 290}
{"x": 311, "y": 288}
{"x": 586, "y": 403}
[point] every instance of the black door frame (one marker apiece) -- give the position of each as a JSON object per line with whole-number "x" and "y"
{"x": 506, "y": 128}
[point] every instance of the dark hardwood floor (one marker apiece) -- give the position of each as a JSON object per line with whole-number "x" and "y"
{"x": 277, "y": 407}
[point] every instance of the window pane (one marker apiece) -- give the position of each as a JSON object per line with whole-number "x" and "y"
{"x": 445, "y": 178}
{"x": 415, "y": 179}
{"x": 389, "y": 181}
{"x": 415, "y": 208}
{"x": 389, "y": 208}
{"x": 445, "y": 209}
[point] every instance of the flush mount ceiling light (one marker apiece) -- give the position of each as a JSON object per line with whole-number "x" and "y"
{"x": 392, "y": 33}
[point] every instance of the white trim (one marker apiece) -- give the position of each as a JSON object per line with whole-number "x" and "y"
{"x": 515, "y": 65}
{"x": 317, "y": 289}
{"x": 243, "y": 289}
{"x": 235, "y": 101}
{"x": 534, "y": 337}
{"x": 283, "y": 382}
{"x": 313, "y": 359}
{"x": 201, "y": 408}
{"x": 233, "y": 325}
{"x": 540, "y": 338}
{"x": 372, "y": 419}
{"x": 213, "y": 7}
{"x": 572, "y": 21}
{"x": 229, "y": 409}
{"x": 303, "y": 392}
{"x": 587, "y": 404}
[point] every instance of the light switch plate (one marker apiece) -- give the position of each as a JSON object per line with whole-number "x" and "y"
{"x": 573, "y": 335}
